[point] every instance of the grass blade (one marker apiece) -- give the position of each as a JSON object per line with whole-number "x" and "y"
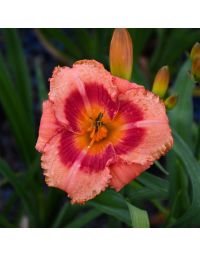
{"x": 191, "y": 217}
{"x": 60, "y": 217}
{"x": 84, "y": 219}
{"x": 20, "y": 191}
{"x": 153, "y": 182}
{"x": 112, "y": 203}
{"x": 19, "y": 122}
{"x": 182, "y": 114}
{"x": 42, "y": 90}
{"x": 144, "y": 193}
{"x": 19, "y": 69}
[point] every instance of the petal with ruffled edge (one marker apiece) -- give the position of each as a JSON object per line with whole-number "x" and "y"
{"x": 62, "y": 84}
{"x": 147, "y": 130}
{"x": 146, "y": 135}
{"x": 75, "y": 88}
{"x": 69, "y": 172}
{"x": 124, "y": 85}
{"x": 91, "y": 71}
{"x": 49, "y": 126}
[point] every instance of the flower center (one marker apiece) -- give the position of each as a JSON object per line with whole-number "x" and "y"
{"x": 97, "y": 130}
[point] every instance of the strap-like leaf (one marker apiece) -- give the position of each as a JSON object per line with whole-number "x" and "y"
{"x": 139, "y": 217}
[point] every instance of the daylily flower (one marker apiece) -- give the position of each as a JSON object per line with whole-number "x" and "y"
{"x": 99, "y": 131}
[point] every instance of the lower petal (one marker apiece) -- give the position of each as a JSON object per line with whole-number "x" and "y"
{"x": 123, "y": 173}
{"x": 81, "y": 184}
{"x": 84, "y": 185}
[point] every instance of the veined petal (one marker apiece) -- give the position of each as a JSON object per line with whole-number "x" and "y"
{"x": 147, "y": 136}
{"x": 76, "y": 91}
{"x": 92, "y": 72}
{"x": 49, "y": 126}
{"x": 63, "y": 84}
{"x": 77, "y": 113}
{"x": 67, "y": 173}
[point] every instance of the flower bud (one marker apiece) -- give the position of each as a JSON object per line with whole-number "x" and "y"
{"x": 195, "y": 52}
{"x": 171, "y": 102}
{"x": 196, "y": 69}
{"x": 121, "y": 54}
{"x": 161, "y": 81}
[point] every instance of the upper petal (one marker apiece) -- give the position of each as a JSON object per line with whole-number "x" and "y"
{"x": 76, "y": 90}
{"x": 62, "y": 84}
{"x": 91, "y": 71}
{"x": 123, "y": 85}
{"x": 49, "y": 126}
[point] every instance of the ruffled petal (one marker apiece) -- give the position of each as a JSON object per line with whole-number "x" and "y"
{"x": 62, "y": 84}
{"x": 123, "y": 173}
{"x": 76, "y": 91}
{"x": 123, "y": 85}
{"x": 93, "y": 72}
{"x": 65, "y": 168}
{"x": 147, "y": 132}
{"x": 49, "y": 126}
{"x": 83, "y": 186}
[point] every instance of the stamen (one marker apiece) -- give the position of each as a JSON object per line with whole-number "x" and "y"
{"x": 97, "y": 129}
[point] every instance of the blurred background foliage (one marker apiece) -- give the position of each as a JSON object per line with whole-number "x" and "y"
{"x": 167, "y": 195}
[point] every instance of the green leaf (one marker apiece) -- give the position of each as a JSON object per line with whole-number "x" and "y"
{"x": 139, "y": 217}
{"x": 178, "y": 185}
{"x": 158, "y": 50}
{"x": 180, "y": 118}
{"x": 176, "y": 42}
{"x": 84, "y": 219}
{"x": 18, "y": 187}
{"x": 161, "y": 168}
{"x": 112, "y": 203}
{"x": 191, "y": 217}
{"x": 19, "y": 69}
{"x": 140, "y": 37}
{"x": 16, "y": 114}
{"x": 42, "y": 90}
{"x": 182, "y": 115}
{"x": 153, "y": 182}
{"x": 144, "y": 193}
{"x": 61, "y": 214}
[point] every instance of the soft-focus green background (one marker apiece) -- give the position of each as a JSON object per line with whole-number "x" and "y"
{"x": 167, "y": 195}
